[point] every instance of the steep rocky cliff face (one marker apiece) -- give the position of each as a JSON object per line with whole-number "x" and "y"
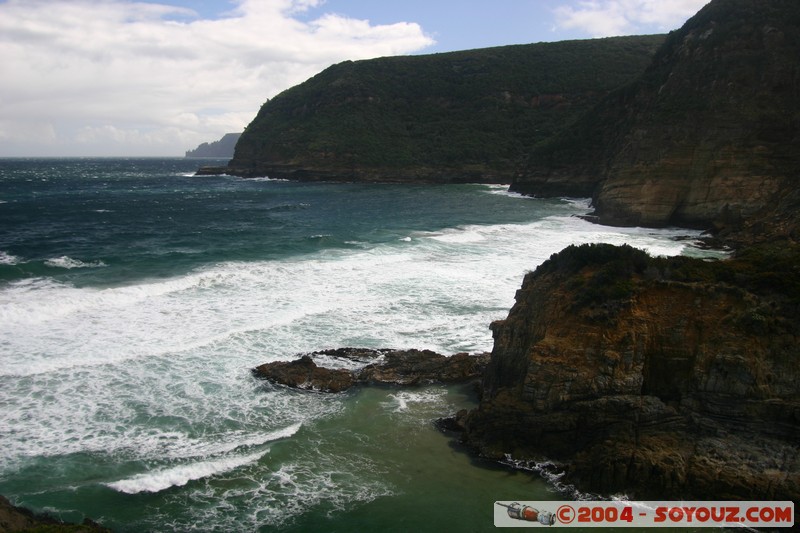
{"x": 716, "y": 132}
{"x": 658, "y": 377}
{"x": 707, "y": 137}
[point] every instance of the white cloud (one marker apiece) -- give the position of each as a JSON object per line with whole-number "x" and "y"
{"x": 605, "y": 18}
{"x": 114, "y": 77}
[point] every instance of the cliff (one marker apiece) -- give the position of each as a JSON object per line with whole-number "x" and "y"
{"x": 221, "y": 148}
{"x": 461, "y": 116}
{"x": 658, "y": 377}
{"x": 708, "y": 136}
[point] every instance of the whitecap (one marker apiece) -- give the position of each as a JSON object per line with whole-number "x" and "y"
{"x": 503, "y": 190}
{"x": 8, "y": 259}
{"x": 460, "y": 236}
{"x": 265, "y": 178}
{"x": 181, "y": 475}
{"x": 229, "y": 444}
{"x": 579, "y": 203}
{"x": 214, "y": 461}
{"x": 69, "y": 263}
{"x": 400, "y": 401}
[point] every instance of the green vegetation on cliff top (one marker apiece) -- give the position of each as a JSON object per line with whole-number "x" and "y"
{"x": 478, "y": 111}
{"x": 602, "y": 274}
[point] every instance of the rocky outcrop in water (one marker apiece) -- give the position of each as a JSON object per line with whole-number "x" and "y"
{"x": 395, "y": 367}
{"x": 655, "y": 377}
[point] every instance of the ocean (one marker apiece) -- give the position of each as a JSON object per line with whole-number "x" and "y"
{"x": 135, "y": 298}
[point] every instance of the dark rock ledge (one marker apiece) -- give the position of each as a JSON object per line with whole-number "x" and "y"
{"x": 13, "y": 518}
{"x": 394, "y": 367}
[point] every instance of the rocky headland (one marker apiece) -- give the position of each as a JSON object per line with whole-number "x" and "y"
{"x": 658, "y": 377}
{"x": 458, "y": 117}
{"x": 223, "y": 147}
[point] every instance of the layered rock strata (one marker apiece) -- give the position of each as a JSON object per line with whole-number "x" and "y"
{"x": 654, "y": 377}
{"x": 715, "y": 134}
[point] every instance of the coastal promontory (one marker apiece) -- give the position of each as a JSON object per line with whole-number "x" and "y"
{"x": 467, "y": 116}
{"x": 223, "y": 147}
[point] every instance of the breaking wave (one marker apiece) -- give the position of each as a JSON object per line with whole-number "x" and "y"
{"x": 181, "y": 475}
{"x": 67, "y": 262}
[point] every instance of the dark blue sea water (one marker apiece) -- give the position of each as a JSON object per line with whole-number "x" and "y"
{"x": 135, "y": 298}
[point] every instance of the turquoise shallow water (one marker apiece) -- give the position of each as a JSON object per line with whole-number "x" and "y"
{"x": 135, "y": 298}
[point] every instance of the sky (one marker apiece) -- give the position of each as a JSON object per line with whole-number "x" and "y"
{"x": 122, "y": 78}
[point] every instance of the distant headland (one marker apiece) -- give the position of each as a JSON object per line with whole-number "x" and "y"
{"x": 221, "y": 148}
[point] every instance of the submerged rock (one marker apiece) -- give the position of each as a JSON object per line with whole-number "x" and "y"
{"x": 396, "y": 367}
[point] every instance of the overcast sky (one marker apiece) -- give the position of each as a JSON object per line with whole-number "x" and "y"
{"x": 156, "y": 78}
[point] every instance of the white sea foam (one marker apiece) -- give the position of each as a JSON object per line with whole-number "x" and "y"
{"x": 158, "y": 371}
{"x": 503, "y": 191}
{"x": 399, "y": 295}
{"x": 181, "y": 475}
{"x": 264, "y": 178}
{"x": 553, "y": 474}
{"x": 8, "y": 259}
{"x": 403, "y": 400}
{"x": 464, "y": 236}
{"x": 67, "y": 262}
{"x": 230, "y": 442}
{"x": 149, "y": 409}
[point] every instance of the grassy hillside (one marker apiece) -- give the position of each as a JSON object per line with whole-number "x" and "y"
{"x": 476, "y": 111}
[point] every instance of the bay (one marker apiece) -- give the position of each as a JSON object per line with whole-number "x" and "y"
{"x": 135, "y": 298}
